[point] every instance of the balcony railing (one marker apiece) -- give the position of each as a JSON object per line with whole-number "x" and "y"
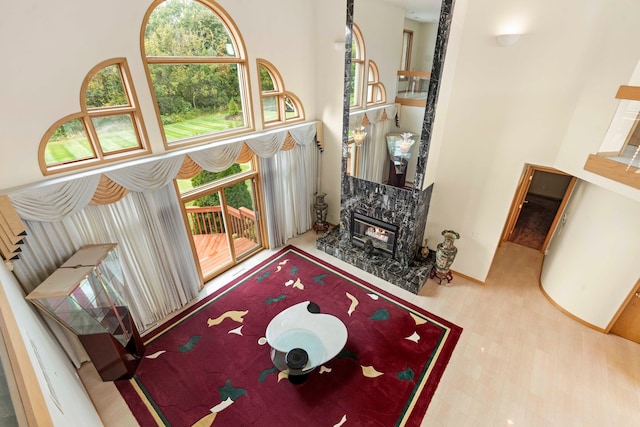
{"x": 209, "y": 220}
{"x": 412, "y": 87}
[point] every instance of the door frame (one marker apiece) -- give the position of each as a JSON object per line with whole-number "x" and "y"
{"x": 634, "y": 290}
{"x": 521, "y": 194}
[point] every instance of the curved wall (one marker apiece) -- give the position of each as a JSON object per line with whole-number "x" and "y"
{"x": 592, "y": 261}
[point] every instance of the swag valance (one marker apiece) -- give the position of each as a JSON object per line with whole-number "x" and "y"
{"x": 54, "y": 202}
{"x": 372, "y": 116}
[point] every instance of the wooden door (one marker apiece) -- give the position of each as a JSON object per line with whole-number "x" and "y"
{"x": 520, "y": 199}
{"x": 518, "y": 202}
{"x": 627, "y": 325}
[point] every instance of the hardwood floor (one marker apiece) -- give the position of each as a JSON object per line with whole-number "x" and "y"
{"x": 519, "y": 361}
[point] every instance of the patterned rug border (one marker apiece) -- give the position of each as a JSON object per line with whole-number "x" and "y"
{"x": 444, "y": 348}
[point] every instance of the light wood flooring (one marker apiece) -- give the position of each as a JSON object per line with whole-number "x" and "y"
{"x": 214, "y": 253}
{"x": 519, "y": 361}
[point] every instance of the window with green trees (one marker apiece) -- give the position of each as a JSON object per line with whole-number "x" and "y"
{"x": 197, "y": 70}
{"x": 278, "y": 105}
{"x": 108, "y": 127}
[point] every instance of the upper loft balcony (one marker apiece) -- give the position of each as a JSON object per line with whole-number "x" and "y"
{"x": 412, "y": 88}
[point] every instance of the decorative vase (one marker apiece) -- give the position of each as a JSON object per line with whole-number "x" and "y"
{"x": 446, "y": 251}
{"x": 424, "y": 250}
{"x": 320, "y": 207}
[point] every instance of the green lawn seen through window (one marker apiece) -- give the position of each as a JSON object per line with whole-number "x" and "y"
{"x": 76, "y": 147}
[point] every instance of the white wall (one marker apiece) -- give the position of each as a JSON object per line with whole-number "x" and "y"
{"x": 330, "y": 24}
{"x": 56, "y": 375}
{"x": 56, "y": 44}
{"x": 424, "y": 40}
{"x": 545, "y": 100}
{"x": 593, "y": 262}
{"x": 381, "y": 25}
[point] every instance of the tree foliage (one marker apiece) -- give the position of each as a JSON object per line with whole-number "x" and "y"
{"x": 266, "y": 81}
{"x": 237, "y": 195}
{"x": 187, "y": 28}
{"x": 105, "y": 89}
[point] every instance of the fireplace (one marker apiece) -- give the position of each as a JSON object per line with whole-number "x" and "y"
{"x": 373, "y": 235}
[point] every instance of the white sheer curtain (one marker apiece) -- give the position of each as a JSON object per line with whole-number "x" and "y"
{"x": 373, "y": 161}
{"x": 288, "y": 185}
{"x": 154, "y": 250}
{"x": 147, "y": 223}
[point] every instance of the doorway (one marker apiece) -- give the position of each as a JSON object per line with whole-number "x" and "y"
{"x": 537, "y": 207}
{"x": 222, "y": 214}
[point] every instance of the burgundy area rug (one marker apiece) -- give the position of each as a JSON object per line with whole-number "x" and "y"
{"x": 210, "y": 366}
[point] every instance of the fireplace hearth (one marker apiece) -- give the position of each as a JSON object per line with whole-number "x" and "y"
{"x": 410, "y": 276}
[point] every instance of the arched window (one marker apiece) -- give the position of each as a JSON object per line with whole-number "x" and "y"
{"x": 108, "y": 127}
{"x": 196, "y": 66}
{"x": 376, "y": 93}
{"x": 278, "y": 105}
{"x": 357, "y": 67}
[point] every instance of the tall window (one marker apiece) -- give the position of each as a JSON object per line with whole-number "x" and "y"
{"x": 407, "y": 43}
{"x": 197, "y": 70}
{"x": 109, "y": 126}
{"x": 278, "y": 105}
{"x": 376, "y": 93}
{"x": 357, "y": 67}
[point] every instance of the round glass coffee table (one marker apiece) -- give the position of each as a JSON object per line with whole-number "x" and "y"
{"x": 301, "y": 339}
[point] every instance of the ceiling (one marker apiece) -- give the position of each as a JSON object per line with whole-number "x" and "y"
{"x": 420, "y": 10}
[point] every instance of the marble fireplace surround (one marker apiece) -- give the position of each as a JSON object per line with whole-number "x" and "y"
{"x": 391, "y": 205}
{"x": 406, "y": 209}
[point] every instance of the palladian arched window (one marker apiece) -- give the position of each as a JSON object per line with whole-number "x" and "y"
{"x": 279, "y": 106}
{"x": 107, "y": 128}
{"x": 376, "y": 93}
{"x": 197, "y": 69}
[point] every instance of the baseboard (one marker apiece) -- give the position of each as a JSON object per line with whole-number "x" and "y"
{"x": 464, "y": 276}
{"x": 568, "y": 314}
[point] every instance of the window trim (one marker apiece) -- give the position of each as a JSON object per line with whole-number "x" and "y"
{"x": 86, "y": 115}
{"x": 359, "y": 83}
{"x": 373, "y": 83}
{"x": 280, "y": 93}
{"x": 407, "y": 47}
{"x": 243, "y": 76}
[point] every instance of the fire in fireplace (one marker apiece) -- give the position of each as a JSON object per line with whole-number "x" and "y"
{"x": 373, "y": 233}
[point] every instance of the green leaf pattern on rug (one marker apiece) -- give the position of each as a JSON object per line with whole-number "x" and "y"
{"x": 320, "y": 278}
{"x": 230, "y": 392}
{"x": 190, "y": 345}
{"x": 380, "y": 314}
{"x": 346, "y": 353}
{"x": 263, "y": 276}
{"x": 406, "y": 375}
{"x": 271, "y": 300}
{"x": 294, "y": 270}
{"x": 266, "y": 372}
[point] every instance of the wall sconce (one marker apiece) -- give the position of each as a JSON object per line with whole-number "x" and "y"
{"x": 506, "y": 40}
{"x": 359, "y": 135}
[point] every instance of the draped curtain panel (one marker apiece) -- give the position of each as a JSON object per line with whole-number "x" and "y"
{"x": 289, "y": 196}
{"x": 145, "y": 218}
{"x": 373, "y": 152}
